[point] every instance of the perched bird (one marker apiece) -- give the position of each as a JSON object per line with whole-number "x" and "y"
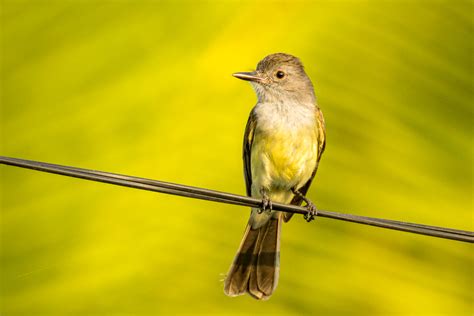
{"x": 283, "y": 143}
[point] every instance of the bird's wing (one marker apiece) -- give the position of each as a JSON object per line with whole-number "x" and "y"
{"x": 248, "y": 141}
{"x": 321, "y": 127}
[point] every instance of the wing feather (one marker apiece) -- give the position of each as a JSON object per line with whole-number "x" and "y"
{"x": 248, "y": 141}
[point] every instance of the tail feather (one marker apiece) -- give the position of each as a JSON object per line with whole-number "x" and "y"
{"x": 255, "y": 268}
{"x": 268, "y": 264}
{"x": 239, "y": 273}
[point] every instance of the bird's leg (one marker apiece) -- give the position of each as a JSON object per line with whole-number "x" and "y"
{"x": 266, "y": 203}
{"x": 312, "y": 210}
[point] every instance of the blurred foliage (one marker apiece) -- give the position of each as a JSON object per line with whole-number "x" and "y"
{"x": 144, "y": 88}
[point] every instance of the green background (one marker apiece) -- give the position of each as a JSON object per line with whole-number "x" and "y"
{"x": 145, "y": 88}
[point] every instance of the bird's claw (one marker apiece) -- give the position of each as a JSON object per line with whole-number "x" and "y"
{"x": 266, "y": 204}
{"x": 312, "y": 212}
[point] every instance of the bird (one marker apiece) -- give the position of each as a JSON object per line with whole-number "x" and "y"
{"x": 284, "y": 139}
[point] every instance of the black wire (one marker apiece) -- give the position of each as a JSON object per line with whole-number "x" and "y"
{"x": 205, "y": 193}
{"x": 223, "y": 197}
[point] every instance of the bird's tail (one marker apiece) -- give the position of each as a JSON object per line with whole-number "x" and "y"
{"x": 257, "y": 264}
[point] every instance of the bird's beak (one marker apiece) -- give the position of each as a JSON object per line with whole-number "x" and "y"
{"x": 248, "y": 76}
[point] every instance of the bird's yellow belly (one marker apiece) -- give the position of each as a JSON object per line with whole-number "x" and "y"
{"x": 281, "y": 160}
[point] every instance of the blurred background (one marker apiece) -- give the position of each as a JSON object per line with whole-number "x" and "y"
{"x": 145, "y": 88}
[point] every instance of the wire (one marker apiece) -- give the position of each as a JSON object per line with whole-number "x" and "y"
{"x": 229, "y": 198}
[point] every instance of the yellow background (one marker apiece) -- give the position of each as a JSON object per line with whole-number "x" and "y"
{"x": 145, "y": 88}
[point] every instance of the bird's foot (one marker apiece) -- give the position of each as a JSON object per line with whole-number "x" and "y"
{"x": 266, "y": 203}
{"x": 312, "y": 210}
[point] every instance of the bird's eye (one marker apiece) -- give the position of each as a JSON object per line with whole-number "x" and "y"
{"x": 280, "y": 74}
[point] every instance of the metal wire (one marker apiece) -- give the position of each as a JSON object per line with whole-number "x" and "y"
{"x": 223, "y": 197}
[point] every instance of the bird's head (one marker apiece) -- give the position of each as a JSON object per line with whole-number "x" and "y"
{"x": 280, "y": 78}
